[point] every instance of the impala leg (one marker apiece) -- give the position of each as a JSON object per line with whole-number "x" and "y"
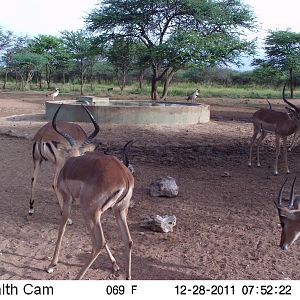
{"x": 277, "y": 147}
{"x": 255, "y": 133}
{"x": 285, "y": 154}
{"x": 36, "y": 166}
{"x": 60, "y": 199}
{"x": 261, "y": 138}
{"x": 58, "y": 195}
{"x": 61, "y": 231}
{"x": 98, "y": 241}
{"x": 121, "y": 217}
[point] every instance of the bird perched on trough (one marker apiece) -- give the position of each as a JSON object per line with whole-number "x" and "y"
{"x": 53, "y": 94}
{"x": 193, "y": 96}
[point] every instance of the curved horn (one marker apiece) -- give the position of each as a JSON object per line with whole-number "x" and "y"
{"x": 287, "y": 102}
{"x": 96, "y": 130}
{"x": 124, "y": 154}
{"x": 270, "y": 106}
{"x": 71, "y": 140}
{"x": 292, "y": 198}
{"x": 279, "y": 199}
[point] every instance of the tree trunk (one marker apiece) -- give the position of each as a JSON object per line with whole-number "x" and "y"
{"x": 123, "y": 80}
{"x": 154, "y": 93}
{"x": 48, "y": 76}
{"x": 81, "y": 77}
{"x": 141, "y": 78}
{"x": 169, "y": 77}
{"x": 154, "y": 83}
{"x": 291, "y": 83}
{"x": 5, "y": 81}
{"x": 64, "y": 77}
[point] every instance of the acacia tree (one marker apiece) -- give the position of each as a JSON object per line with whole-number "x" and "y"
{"x": 82, "y": 49}
{"x": 168, "y": 27}
{"x": 17, "y": 44}
{"x": 25, "y": 64}
{"x": 282, "y": 50}
{"x": 52, "y": 48}
{"x": 6, "y": 38}
{"x": 121, "y": 55}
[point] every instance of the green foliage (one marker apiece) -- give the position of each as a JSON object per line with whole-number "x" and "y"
{"x": 6, "y": 38}
{"x": 282, "y": 56}
{"x": 82, "y": 49}
{"x": 283, "y": 49}
{"x": 177, "y": 33}
{"x": 25, "y": 64}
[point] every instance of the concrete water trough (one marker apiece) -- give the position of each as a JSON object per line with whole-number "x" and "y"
{"x": 107, "y": 111}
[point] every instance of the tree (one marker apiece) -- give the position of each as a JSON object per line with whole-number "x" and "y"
{"x": 17, "y": 44}
{"x": 6, "y": 38}
{"x": 282, "y": 53}
{"x": 82, "y": 49}
{"x": 52, "y": 48}
{"x": 176, "y": 33}
{"x": 121, "y": 55}
{"x": 24, "y": 64}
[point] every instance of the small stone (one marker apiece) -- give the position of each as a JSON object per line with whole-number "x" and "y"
{"x": 226, "y": 174}
{"x": 164, "y": 187}
{"x": 158, "y": 223}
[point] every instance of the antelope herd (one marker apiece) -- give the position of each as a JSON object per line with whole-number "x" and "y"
{"x": 99, "y": 182}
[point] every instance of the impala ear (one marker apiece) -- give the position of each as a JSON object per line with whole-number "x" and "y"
{"x": 87, "y": 148}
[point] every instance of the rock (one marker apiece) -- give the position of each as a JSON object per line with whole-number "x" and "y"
{"x": 226, "y": 174}
{"x": 159, "y": 223}
{"x": 164, "y": 187}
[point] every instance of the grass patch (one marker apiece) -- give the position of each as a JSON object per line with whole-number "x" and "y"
{"x": 175, "y": 90}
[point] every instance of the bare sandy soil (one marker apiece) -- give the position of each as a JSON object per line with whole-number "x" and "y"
{"x": 227, "y": 224}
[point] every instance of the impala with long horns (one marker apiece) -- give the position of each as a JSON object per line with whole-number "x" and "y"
{"x": 98, "y": 182}
{"x": 289, "y": 217}
{"x": 50, "y": 146}
{"x": 279, "y": 123}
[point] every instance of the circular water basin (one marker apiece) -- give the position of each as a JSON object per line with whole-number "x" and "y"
{"x": 130, "y": 112}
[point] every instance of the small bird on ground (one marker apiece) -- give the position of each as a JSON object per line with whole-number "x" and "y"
{"x": 53, "y": 94}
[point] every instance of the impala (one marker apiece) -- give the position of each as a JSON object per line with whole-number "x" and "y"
{"x": 289, "y": 217}
{"x": 50, "y": 146}
{"x": 280, "y": 123}
{"x": 98, "y": 182}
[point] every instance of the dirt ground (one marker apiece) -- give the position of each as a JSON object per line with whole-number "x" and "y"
{"x": 227, "y": 224}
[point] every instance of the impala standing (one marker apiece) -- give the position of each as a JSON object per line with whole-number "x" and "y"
{"x": 50, "y": 146}
{"x": 98, "y": 182}
{"x": 279, "y": 123}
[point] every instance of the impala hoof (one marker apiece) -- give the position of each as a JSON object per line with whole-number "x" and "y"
{"x": 115, "y": 266}
{"x": 275, "y": 173}
{"x": 70, "y": 222}
{"x": 50, "y": 269}
{"x": 258, "y": 165}
{"x": 249, "y": 164}
{"x": 30, "y": 211}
